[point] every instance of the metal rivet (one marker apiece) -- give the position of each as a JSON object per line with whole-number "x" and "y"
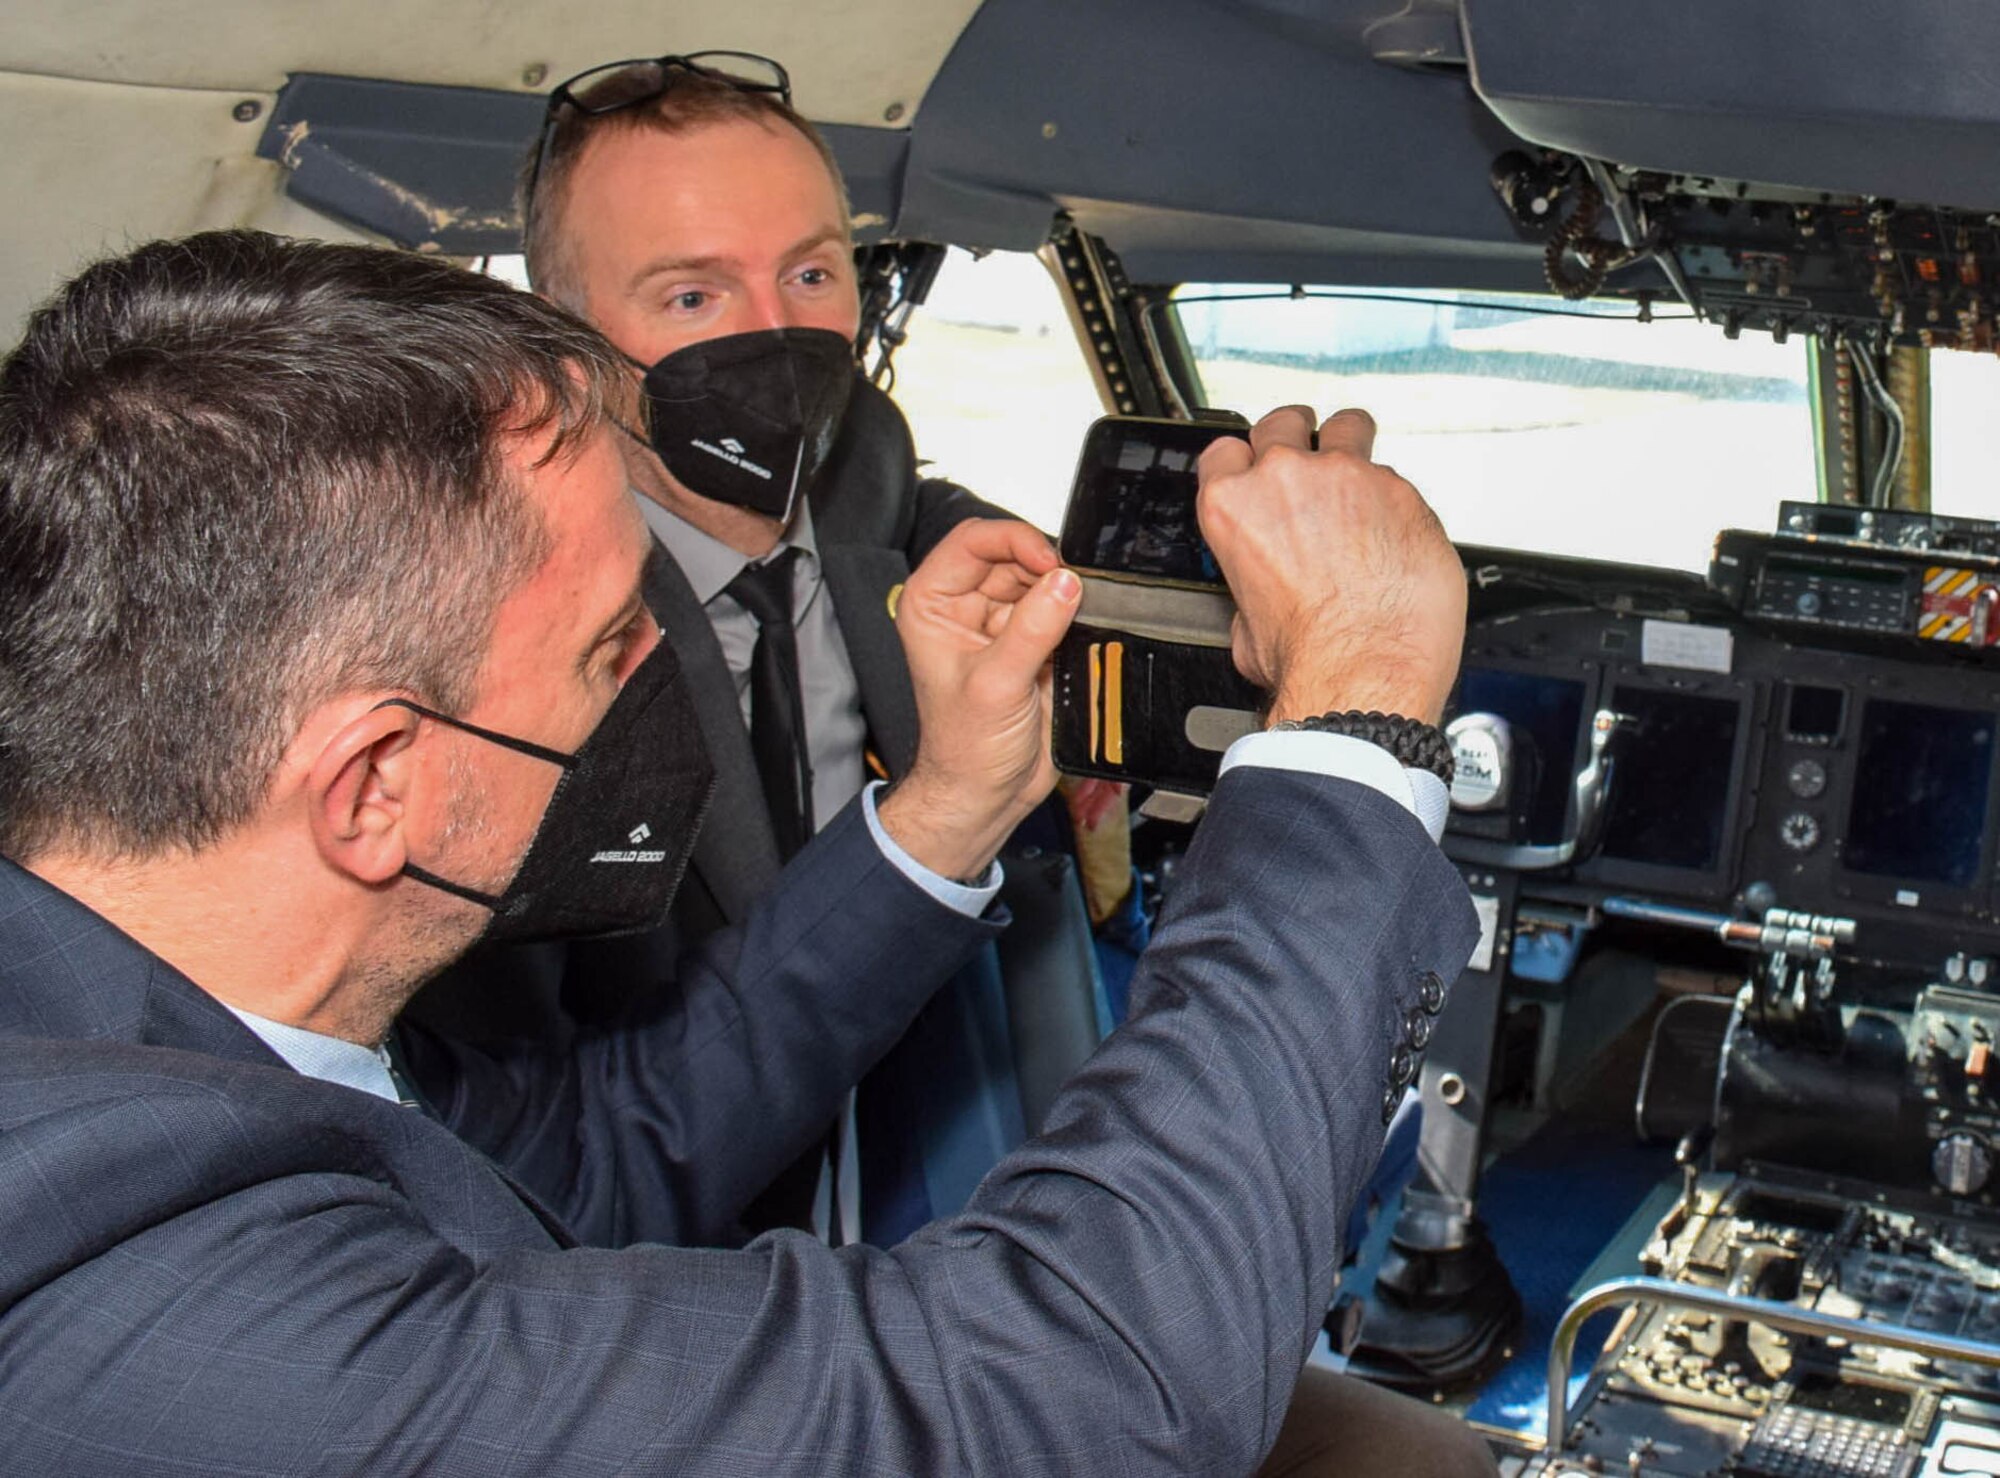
{"x": 892, "y": 113}
{"x": 247, "y": 111}
{"x": 534, "y": 74}
{"x": 1451, "y": 1088}
{"x": 1048, "y": 130}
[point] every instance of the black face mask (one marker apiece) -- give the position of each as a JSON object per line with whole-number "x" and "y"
{"x": 750, "y": 418}
{"x": 618, "y": 829}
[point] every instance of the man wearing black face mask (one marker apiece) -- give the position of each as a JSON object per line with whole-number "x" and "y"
{"x": 700, "y": 223}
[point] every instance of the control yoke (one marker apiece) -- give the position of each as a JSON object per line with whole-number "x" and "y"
{"x": 1483, "y": 746}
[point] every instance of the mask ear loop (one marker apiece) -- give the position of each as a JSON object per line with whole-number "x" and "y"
{"x": 492, "y": 736}
{"x": 491, "y": 902}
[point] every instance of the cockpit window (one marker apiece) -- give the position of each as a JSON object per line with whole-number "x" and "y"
{"x": 1965, "y": 433}
{"x": 995, "y": 385}
{"x": 1528, "y": 422}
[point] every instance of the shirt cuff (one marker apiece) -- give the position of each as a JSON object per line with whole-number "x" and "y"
{"x": 1345, "y": 757}
{"x": 972, "y": 899}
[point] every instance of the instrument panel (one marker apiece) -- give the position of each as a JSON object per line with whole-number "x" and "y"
{"x": 1829, "y": 771}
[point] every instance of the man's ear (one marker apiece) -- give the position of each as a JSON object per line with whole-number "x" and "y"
{"x": 357, "y": 789}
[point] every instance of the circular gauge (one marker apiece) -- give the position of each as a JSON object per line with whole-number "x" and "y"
{"x": 1962, "y": 1164}
{"x": 1799, "y": 832}
{"x": 1806, "y": 779}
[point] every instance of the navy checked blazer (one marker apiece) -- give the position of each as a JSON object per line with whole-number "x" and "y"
{"x": 210, "y": 1264}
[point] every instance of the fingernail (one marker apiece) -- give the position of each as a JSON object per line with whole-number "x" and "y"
{"x": 1065, "y": 586}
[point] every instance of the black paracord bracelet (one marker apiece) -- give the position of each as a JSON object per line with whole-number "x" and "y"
{"x": 1414, "y": 744}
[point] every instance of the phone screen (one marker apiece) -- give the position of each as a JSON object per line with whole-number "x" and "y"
{"x": 1132, "y": 506}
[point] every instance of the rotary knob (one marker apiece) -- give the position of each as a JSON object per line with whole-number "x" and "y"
{"x": 1806, "y": 779}
{"x": 1962, "y": 1163}
{"x": 1800, "y": 831}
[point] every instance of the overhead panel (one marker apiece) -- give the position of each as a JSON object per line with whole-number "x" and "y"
{"x": 1261, "y": 139}
{"x": 1847, "y": 96}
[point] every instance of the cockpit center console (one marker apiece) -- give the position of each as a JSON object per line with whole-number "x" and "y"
{"x": 1790, "y": 765}
{"x": 1780, "y": 778}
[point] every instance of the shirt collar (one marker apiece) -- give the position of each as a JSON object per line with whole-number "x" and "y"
{"x": 710, "y": 564}
{"x": 330, "y": 1059}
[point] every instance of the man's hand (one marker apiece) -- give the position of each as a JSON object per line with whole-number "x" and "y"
{"x": 1348, "y": 593}
{"x": 979, "y": 620}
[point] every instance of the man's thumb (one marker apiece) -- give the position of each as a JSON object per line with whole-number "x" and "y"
{"x": 1039, "y": 620}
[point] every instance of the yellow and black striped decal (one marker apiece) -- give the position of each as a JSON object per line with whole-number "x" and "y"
{"x": 1959, "y": 606}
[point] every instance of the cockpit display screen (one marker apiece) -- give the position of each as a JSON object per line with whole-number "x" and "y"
{"x": 1545, "y": 712}
{"x": 1670, "y": 786}
{"x": 1920, "y": 789}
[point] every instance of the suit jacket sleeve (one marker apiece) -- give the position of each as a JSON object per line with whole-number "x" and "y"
{"x": 1132, "y": 1292}
{"x": 941, "y": 505}
{"x": 662, "y": 1125}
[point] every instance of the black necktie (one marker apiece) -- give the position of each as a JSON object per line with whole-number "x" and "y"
{"x": 777, "y": 706}
{"x": 778, "y": 740}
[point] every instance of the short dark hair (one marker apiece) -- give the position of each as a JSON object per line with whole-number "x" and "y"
{"x": 692, "y": 102}
{"x": 241, "y": 475}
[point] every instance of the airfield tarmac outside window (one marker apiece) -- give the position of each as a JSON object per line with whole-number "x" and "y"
{"x": 995, "y": 385}
{"x": 1530, "y": 423}
{"x": 1965, "y": 433}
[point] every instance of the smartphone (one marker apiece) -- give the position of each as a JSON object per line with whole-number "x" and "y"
{"x": 1145, "y": 688}
{"x": 1131, "y": 504}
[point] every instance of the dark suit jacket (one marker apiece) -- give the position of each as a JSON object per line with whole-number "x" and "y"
{"x": 874, "y": 518}
{"x": 209, "y": 1264}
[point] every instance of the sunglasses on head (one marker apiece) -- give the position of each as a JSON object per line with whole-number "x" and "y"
{"x": 619, "y": 85}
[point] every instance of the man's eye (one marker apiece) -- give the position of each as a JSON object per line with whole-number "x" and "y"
{"x": 692, "y": 301}
{"x": 629, "y": 644}
{"x": 816, "y": 276}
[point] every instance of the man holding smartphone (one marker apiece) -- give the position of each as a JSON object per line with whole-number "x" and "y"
{"x": 683, "y": 208}
{"x": 231, "y": 1239}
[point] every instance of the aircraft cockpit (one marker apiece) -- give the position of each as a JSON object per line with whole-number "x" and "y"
{"x": 1775, "y": 786}
{"x": 1684, "y": 317}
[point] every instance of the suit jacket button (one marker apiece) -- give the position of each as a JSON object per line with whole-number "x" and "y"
{"x": 1402, "y": 1066}
{"x": 1417, "y": 1029}
{"x": 1430, "y": 992}
{"x": 1392, "y": 1099}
